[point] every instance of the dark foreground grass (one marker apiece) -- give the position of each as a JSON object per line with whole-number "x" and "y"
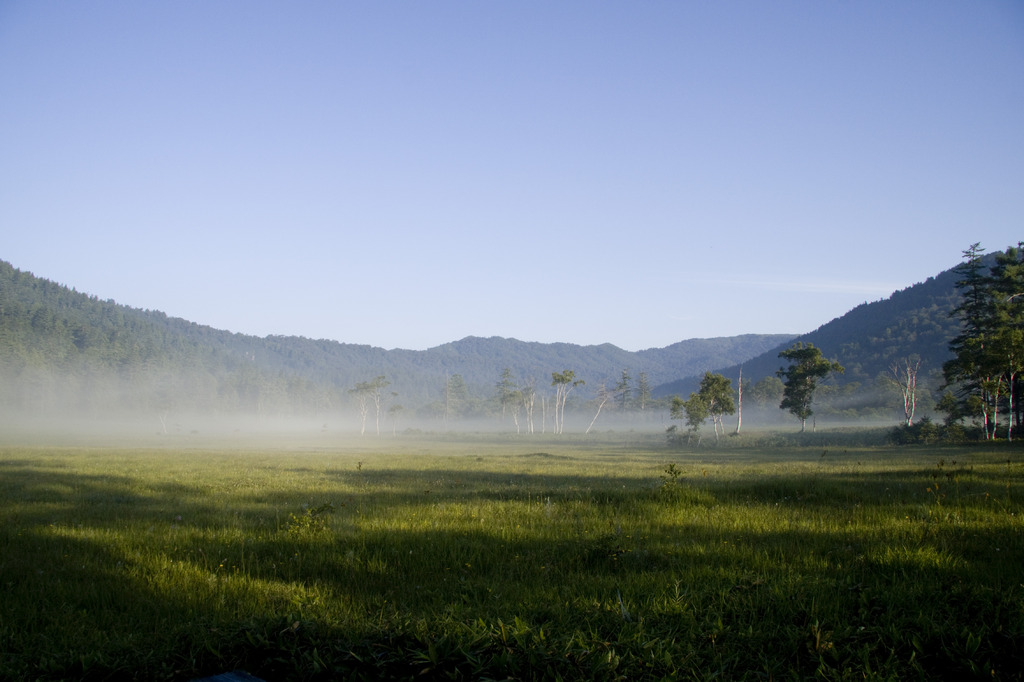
{"x": 501, "y": 562}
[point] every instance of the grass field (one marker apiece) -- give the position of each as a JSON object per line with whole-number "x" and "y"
{"x": 534, "y": 558}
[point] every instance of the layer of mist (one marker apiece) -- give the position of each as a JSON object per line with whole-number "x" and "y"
{"x": 344, "y": 427}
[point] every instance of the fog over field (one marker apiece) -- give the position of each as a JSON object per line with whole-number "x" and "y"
{"x": 341, "y": 430}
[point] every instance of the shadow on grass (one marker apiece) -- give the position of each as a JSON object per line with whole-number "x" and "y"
{"x": 104, "y": 577}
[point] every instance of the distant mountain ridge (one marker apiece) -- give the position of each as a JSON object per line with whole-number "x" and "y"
{"x": 63, "y": 350}
{"x": 867, "y": 339}
{"x": 602, "y": 362}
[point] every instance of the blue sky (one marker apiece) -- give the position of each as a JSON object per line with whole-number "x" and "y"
{"x": 404, "y": 174}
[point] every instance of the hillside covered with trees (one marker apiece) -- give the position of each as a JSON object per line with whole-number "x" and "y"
{"x": 914, "y": 323}
{"x": 66, "y": 352}
{"x": 952, "y": 346}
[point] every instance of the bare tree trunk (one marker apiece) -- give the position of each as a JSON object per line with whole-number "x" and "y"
{"x": 984, "y": 413}
{"x": 994, "y": 408}
{"x": 561, "y": 396}
{"x": 1014, "y": 390}
{"x": 904, "y": 375}
{"x": 376, "y": 404}
{"x": 995, "y": 412}
{"x": 529, "y": 396}
{"x": 558, "y": 401}
{"x": 362, "y": 417}
{"x": 604, "y": 398}
{"x": 1009, "y": 396}
{"x": 739, "y": 403}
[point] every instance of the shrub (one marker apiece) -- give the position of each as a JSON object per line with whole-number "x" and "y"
{"x": 927, "y": 432}
{"x": 311, "y": 521}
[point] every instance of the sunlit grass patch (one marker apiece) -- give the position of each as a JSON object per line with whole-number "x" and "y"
{"x": 507, "y": 561}
{"x": 917, "y": 560}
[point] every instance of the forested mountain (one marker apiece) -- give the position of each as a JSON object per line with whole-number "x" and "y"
{"x": 867, "y": 340}
{"x": 61, "y": 350}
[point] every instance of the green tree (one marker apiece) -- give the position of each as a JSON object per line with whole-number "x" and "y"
{"x": 395, "y": 412}
{"x": 623, "y": 391}
{"x": 368, "y": 393}
{"x": 1008, "y": 336}
{"x": 510, "y": 397}
{"x": 988, "y": 353}
{"x": 694, "y": 411}
{"x": 951, "y": 407}
{"x": 713, "y": 399}
{"x": 800, "y": 379}
{"x": 716, "y": 391}
{"x": 455, "y": 393}
{"x": 379, "y": 398}
{"x": 507, "y": 391}
{"x": 972, "y": 369}
{"x": 362, "y": 393}
{"x": 767, "y": 391}
{"x": 643, "y": 391}
{"x": 564, "y": 383}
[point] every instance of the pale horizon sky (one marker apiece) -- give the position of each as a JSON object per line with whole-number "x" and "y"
{"x": 406, "y": 174}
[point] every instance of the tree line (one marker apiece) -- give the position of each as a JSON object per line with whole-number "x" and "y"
{"x": 982, "y": 381}
{"x": 61, "y": 350}
{"x": 529, "y": 407}
{"x": 984, "y": 376}
{"x": 714, "y": 399}
{"x": 982, "y": 384}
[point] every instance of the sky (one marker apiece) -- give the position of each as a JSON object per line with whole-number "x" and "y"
{"x": 405, "y": 174}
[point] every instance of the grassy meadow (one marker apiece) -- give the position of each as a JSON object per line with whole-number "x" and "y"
{"x": 535, "y": 558}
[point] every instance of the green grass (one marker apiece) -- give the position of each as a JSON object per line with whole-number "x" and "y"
{"x": 524, "y": 559}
